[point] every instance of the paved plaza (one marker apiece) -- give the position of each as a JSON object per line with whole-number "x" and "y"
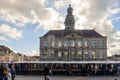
{"x": 29, "y": 77}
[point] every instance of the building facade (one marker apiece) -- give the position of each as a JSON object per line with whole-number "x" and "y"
{"x": 72, "y": 44}
{"x": 115, "y": 57}
{"x": 6, "y": 54}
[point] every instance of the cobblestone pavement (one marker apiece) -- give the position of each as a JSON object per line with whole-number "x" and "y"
{"x": 29, "y": 77}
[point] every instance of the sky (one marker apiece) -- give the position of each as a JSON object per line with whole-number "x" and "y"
{"x": 23, "y": 22}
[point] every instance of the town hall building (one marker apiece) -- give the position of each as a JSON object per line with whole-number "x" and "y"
{"x": 72, "y": 44}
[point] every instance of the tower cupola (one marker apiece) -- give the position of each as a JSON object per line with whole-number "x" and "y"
{"x": 69, "y": 20}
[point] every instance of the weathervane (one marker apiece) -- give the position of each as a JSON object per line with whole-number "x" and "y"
{"x": 69, "y": 2}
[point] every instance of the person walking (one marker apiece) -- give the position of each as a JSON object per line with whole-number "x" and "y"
{"x": 13, "y": 72}
{"x": 46, "y": 72}
{"x": 6, "y": 72}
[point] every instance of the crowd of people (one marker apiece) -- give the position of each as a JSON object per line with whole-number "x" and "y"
{"x": 7, "y": 71}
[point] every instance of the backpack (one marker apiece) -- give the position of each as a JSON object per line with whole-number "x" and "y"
{"x": 5, "y": 71}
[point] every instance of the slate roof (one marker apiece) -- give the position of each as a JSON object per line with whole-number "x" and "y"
{"x": 4, "y": 48}
{"x": 83, "y": 33}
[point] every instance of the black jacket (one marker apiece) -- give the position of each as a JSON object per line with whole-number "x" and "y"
{"x": 46, "y": 71}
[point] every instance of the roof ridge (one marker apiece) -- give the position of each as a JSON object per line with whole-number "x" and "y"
{"x": 84, "y": 33}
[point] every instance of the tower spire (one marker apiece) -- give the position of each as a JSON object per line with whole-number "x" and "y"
{"x": 69, "y": 20}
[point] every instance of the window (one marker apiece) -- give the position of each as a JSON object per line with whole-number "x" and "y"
{"x": 101, "y": 55}
{"x": 66, "y": 43}
{"x": 93, "y": 55}
{"x": 79, "y": 55}
{"x": 52, "y": 55}
{"x": 65, "y": 55}
{"x": 93, "y": 43}
{"x": 53, "y": 43}
{"x": 86, "y": 43}
{"x": 72, "y": 43}
{"x": 86, "y": 55}
{"x": 45, "y": 43}
{"x": 59, "y": 44}
{"x": 45, "y": 55}
{"x": 73, "y": 55}
{"x": 59, "y": 55}
{"x": 79, "y": 43}
{"x": 101, "y": 44}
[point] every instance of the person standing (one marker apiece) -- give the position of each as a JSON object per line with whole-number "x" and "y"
{"x": 13, "y": 72}
{"x": 46, "y": 72}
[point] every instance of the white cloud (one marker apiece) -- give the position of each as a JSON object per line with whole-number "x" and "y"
{"x": 114, "y": 42}
{"x": 51, "y": 20}
{"x": 32, "y": 53}
{"x": 29, "y": 11}
{"x": 60, "y": 4}
{"x": 15, "y": 11}
{"x": 10, "y": 32}
{"x": 3, "y": 38}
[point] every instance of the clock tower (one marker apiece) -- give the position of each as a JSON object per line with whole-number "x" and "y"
{"x": 69, "y": 20}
